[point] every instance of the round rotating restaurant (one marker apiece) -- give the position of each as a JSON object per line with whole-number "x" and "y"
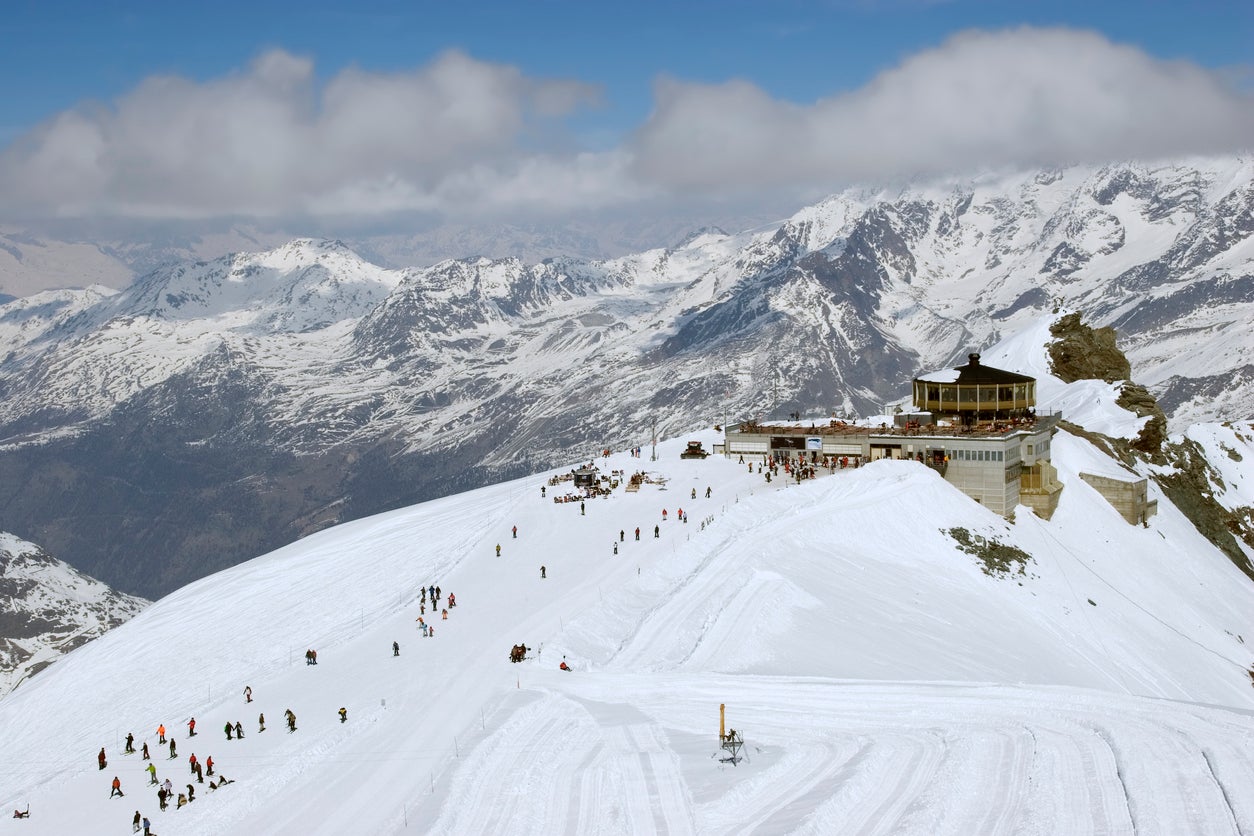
{"x": 973, "y": 393}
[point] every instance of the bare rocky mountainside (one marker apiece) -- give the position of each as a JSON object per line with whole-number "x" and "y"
{"x": 49, "y": 609}
{"x": 217, "y": 409}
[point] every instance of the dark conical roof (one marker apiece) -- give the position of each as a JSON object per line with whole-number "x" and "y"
{"x": 974, "y": 374}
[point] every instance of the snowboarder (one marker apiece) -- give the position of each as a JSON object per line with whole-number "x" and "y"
{"x": 291, "y": 720}
{"x": 191, "y": 763}
{"x": 161, "y": 796}
{"x": 515, "y": 529}
{"x": 564, "y": 666}
{"x": 182, "y": 802}
{"x": 191, "y": 793}
{"x": 616, "y": 548}
{"x": 22, "y": 814}
{"x": 130, "y": 743}
{"x": 452, "y": 601}
{"x": 396, "y": 649}
{"x": 248, "y": 693}
{"x": 657, "y": 532}
{"x": 498, "y": 549}
{"x": 209, "y": 765}
{"x": 145, "y": 752}
{"x": 191, "y": 727}
{"x": 663, "y": 515}
{"x": 227, "y": 728}
{"x": 543, "y": 572}
{"x": 637, "y": 532}
{"x": 694, "y": 493}
{"x": 261, "y": 723}
{"x": 117, "y": 788}
{"x": 444, "y": 615}
{"x": 437, "y": 598}
{"x": 239, "y": 731}
{"x": 343, "y": 714}
{"x": 431, "y": 632}
{"x": 135, "y": 821}
{"x": 707, "y": 491}
{"x": 100, "y": 758}
{"x": 542, "y": 491}
{"x": 147, "y": 825}
{"x": 161, "y": 733}
{"x": 200, "y": 773}
{"x": 173, "y": 753}
{"x": 621, "y": 535}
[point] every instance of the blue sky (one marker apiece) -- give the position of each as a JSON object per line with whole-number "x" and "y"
{"x": 59, "y": 56}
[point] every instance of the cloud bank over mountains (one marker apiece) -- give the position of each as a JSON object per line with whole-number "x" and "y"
{"x": 466, "y": 138}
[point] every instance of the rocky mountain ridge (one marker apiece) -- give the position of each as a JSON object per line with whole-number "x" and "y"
{"x": 242, "y": 402}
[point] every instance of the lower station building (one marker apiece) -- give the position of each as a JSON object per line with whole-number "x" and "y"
{"x": 975, "y": 425}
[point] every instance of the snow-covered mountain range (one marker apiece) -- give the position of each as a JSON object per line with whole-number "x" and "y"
{"x": 49, "y": 609}
{"x": 216, "y": 409}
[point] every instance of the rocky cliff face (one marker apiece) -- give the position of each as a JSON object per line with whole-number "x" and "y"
{"x": 50, "y": 609}
{"x": 217, "y": 409}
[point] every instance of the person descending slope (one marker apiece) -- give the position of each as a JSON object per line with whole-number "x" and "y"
{"x": 248, "y": 693}
{"x": 291, "y": 720}
{"x": 498, "y": 549}
{"x": 227, "y": 728}
{"x": 117, "y": 788}
{"x": 343, "y": 715}
{"x": 100, "y": 758}
{"x": 261, "y": 723}
{"x": 191, "y": 727}
{"x": 396, "y": 649}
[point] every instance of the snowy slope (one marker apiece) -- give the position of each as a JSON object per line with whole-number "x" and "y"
{"x": 883, "y": 682}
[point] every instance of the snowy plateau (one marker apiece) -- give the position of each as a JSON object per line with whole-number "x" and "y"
{"x": 215, "y": 410}
{"x": 884, "y": 681}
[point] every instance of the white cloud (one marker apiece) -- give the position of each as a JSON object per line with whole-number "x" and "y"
{"x": 980, "y": 100}
{"x": 464, "y": 137}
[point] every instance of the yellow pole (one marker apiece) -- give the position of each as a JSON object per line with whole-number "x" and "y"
{"x": 721, "y": 734}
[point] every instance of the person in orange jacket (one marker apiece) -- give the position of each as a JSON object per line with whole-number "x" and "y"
{"x": 161, "y": 733}
{"x": 117, "y": 787}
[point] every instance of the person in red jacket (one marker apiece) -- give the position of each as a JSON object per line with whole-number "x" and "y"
{"x": 100, "y": 759}
{"x": 117, "y": 787}
{"x": 191, "y": 727}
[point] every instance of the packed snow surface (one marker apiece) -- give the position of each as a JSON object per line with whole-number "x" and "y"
{"x": 882, "y": 682}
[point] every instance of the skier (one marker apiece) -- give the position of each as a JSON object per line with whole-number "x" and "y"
{"x": 581, "y": 509}
{"x": 396, "y": 649}
{"x": 161, "y": 733}
{"x": 147, "y": 827}
{"x": 543, "y": 572}
{"x": 191, "y": 727}
{"x": 444, "y": 615}
{"x": 498, "y": 549}
{"x": 239, "y": 731}
{"x": 161, "y": 796}
{"x": 130, "y": 743}
{"x": 616, "y": 548}
{"x": 707, "y": 491}
{"x": 657, "y": 532}
{"x": 227, "y": 728}
{"x": 437, "y": 598}
{"x": 515, "y": 532}
{"x": 343, "y": 714}
{"x": 209, "y": 765}
{"x": 248, "y": 693}
{"x": 191, "y": 793}
{"x": 117, "y": 788}
{"x": 542, "y": 491}
{"x": 200, "y": 774}
{"x": 291, "y": 720}
{"x": 191, "y": 763}
{"x": 100, "y": 758}
{"x": 621, "y": 535}
{"x": 261, "y": 723}
{"x": 145, "y": 752}
{"x": 694, "y": 493}
{"x": 152, "y": 772}
{"x": 637, "y": 532}
{"x": 452, "y": 601}
{"x": 173, "y": 753}
{"x": 663, "y": 515}
{"x": 135, "y": 821}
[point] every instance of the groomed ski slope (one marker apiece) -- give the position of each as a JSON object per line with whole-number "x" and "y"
{"x": 882, "y": 682}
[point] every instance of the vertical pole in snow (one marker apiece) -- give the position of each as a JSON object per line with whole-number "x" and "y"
{"x": 456, "y": 753}
{"x": 363, "y": 619}
{"x": 433, "y": 783}
{"x": 483, "y": 724}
